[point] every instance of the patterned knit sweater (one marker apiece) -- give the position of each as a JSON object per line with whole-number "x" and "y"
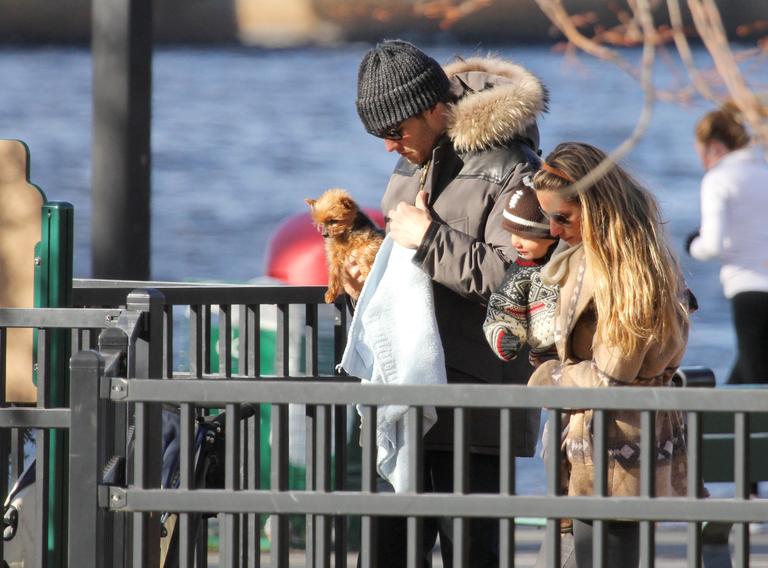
{"x": 521, "y": 311}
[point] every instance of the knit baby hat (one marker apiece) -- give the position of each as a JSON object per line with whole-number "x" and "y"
{"x": 397, "y": 80}
{"x": 522, "y": 213}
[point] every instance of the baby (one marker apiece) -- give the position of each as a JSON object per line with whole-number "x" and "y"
{"x": 522, "y": 309}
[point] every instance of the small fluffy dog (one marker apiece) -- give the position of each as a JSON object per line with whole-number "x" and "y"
{"x": 346, "y": 231}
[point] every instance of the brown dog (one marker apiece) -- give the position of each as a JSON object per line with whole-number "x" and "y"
{"x": 347, "y": 231}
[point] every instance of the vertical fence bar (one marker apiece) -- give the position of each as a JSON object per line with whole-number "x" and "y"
{"x": 368, "y": 542}
{"x": 647, "y": 485}
{"x": 200, "y": 365}
{"x": 322, "y": 484}
{"x": 340, "y": 428}
{"x": 88, "y": 443}
{"x": 741, "y": 467}
{"x": 339, "y": 329}
{"x": 225, "y": 340}
{"x": 148, "y": 421}
{"x": 279, "y": 482}
{"x": 694, "y": 486}
{"x": 196, "y": 352}
{"x": 600, "y": 455}
{"x": 17, "y": 452}
{"x": 506, "y": 487}
{"x": 168, "y": 345}
{"x": 254, "y": 482}
{"x": 232, "y": 483}
{"x": 244, "y": 345}
{"x": 4, "y": 432}
{"x": 253, "y": 342}
{"x": 282, "y": 341}
{"x": 187, "y": 526}
{"x": 415, "y": 416}
{"x": 341, "y": 531}
{"x": 115, "y": 342}
{"x": 250, "y": 361}
{"x": 279, "y": 425}
{"x": 206, "y": 338}
{"x": 43, "y": 447}
{"x": 460, "y": 484}
{"x": 242, "y": 467}
{"x": 552, "y": 538}
{"x": 311, "y": 369}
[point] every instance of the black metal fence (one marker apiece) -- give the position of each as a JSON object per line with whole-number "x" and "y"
{"x": 124, "y": 521}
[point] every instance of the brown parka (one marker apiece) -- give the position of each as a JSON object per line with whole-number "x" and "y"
{"x": 491, "y": 140}
{"x": 586, "y": 361}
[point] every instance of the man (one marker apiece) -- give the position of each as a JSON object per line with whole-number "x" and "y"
{"x": 465, "y": 134}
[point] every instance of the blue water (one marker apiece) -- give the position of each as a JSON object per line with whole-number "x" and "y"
{"x": 241, "y": 136}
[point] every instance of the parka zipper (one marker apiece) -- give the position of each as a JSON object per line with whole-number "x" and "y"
{"x": 424, "y": 173}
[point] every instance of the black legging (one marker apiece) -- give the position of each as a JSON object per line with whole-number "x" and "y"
{"x": 622, "y": 543}
{"x": 750, "y": 318}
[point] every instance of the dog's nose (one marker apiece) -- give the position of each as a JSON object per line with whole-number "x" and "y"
{"x": 324, "y": 232}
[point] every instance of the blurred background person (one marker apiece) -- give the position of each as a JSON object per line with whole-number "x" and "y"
{"x": 734, "y": 191}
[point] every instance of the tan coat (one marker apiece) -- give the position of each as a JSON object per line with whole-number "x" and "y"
{"x": 587, "y": 362}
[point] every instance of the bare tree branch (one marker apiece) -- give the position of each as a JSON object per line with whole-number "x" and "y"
{"x": 684, "y": 49}
{"x": 564, "y": 21}
{"x": 643, "y": 14}
{"x": 706, "y": 17}
{"x": 554, "y": 10}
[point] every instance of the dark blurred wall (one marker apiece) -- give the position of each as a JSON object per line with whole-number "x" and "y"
{"x": 261, "y": 21}
{"x": 43, "y": 21}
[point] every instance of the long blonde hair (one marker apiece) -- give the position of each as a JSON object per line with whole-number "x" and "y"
{"x": 638, "y": 285}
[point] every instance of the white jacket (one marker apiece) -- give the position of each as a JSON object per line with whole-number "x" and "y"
{"x": 734, "y": 200}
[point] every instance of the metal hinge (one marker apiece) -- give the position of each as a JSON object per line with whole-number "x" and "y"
{"x": 117, "y": 498}
{"x": 118, "y": 389}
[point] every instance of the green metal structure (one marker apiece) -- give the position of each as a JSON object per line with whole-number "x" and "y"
{"x": 53, "y": 289}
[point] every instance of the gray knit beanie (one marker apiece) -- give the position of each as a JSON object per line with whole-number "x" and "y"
{"x": 397, "y": 80}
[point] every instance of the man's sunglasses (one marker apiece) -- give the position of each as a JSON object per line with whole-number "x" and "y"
{"x": 391, "y": 133}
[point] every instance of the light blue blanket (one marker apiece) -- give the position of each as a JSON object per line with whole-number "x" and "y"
{"x": 394, "y": 340}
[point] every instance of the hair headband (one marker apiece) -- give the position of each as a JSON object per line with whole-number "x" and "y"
{"x": 556, "y": 172}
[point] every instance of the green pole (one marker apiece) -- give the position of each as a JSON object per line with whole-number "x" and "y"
{"x": 53, "y": 289}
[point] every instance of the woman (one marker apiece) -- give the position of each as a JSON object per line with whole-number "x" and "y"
{"x": 621, "y": 321}
{"x": 733, "y": 193}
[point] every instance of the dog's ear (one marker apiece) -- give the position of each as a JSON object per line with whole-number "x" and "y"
{"x": 347, "y": 202}
{"x": 310, "y": 202}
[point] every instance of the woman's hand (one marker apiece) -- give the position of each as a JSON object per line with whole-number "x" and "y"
{"x": 543, "y": 376}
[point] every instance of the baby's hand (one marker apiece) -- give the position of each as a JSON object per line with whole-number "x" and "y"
{"x": 353, "y": 278}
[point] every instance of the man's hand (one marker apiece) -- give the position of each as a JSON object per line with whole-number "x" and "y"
{"x": 408, "y": 223}
{"x": 353, "y": 283}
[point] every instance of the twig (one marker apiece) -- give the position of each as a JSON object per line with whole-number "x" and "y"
{"x": 643, "y": 14}
{"x": 684, "y": 49}
{"x": 706, "y": 17}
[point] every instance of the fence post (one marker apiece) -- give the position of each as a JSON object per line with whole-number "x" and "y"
{"x": 148, "y": 364}
{"x": 53, "y": 289}
{"x": 114, "y": 342}
{"x": 87, "y": 543}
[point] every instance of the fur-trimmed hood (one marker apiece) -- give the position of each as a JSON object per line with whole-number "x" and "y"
{"x": 497, "y": 100}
